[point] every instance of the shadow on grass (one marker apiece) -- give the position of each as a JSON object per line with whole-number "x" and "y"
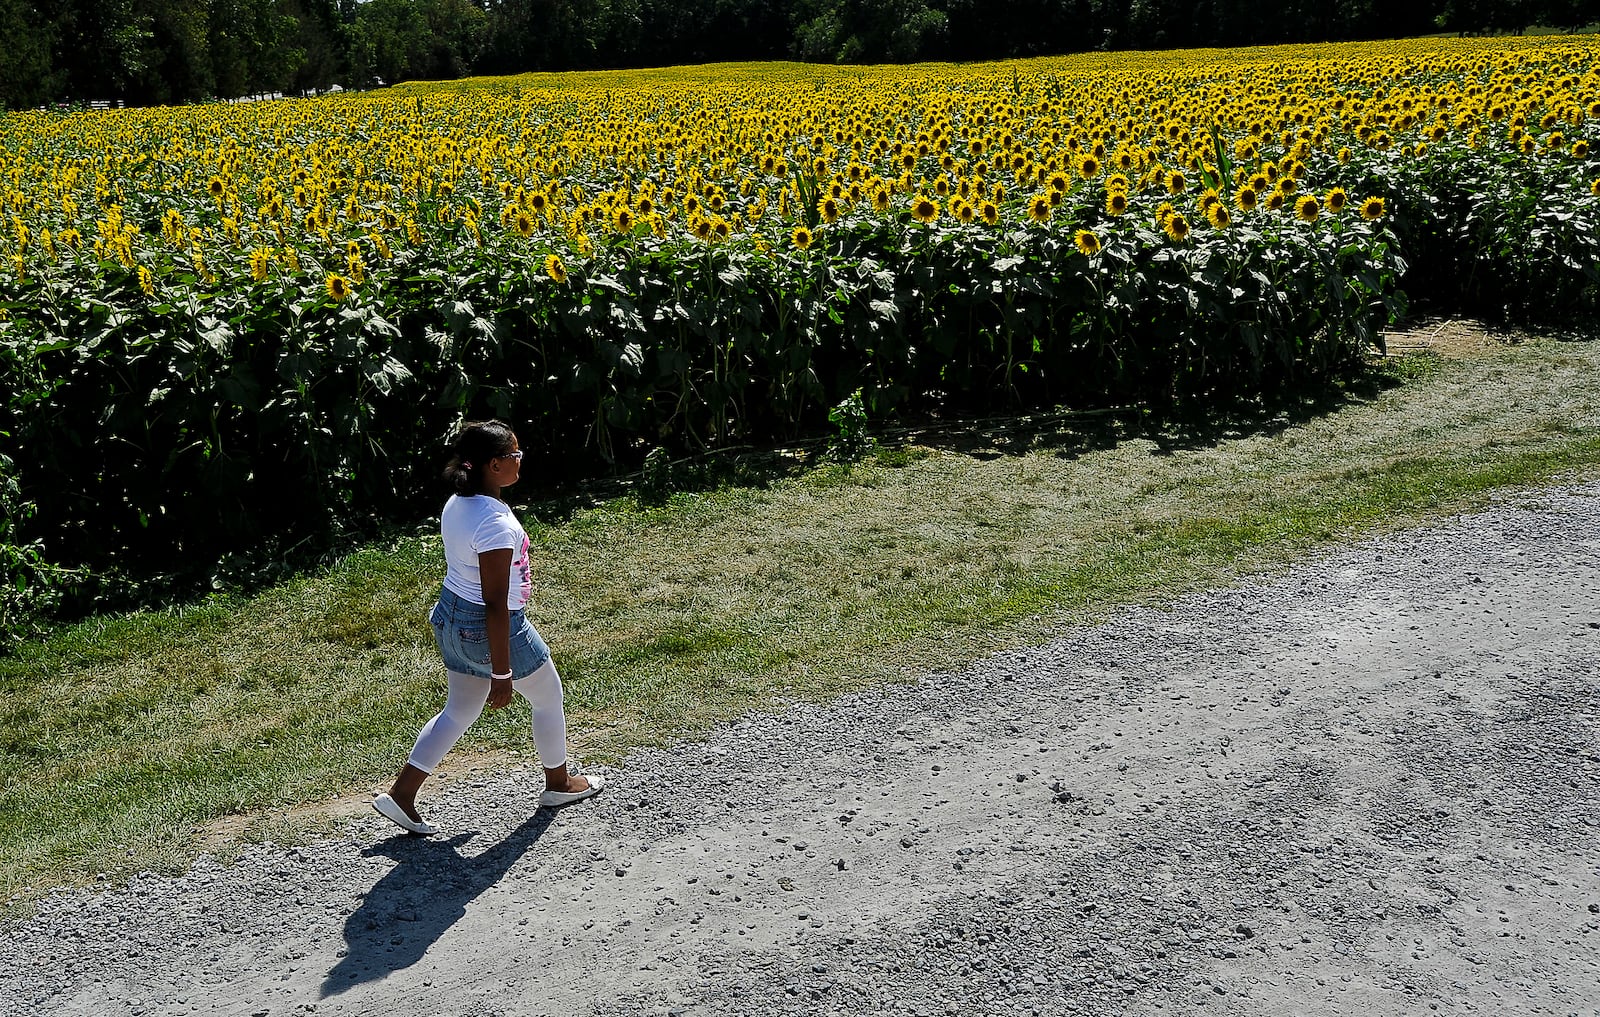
{"x": 426, "y": 892}
{"x": 1071, "y": 434}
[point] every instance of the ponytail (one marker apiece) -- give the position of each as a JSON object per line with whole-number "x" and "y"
{"x": 470, "y": 451}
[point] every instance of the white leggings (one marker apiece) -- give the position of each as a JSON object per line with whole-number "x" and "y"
{"x": 464, "y": 705}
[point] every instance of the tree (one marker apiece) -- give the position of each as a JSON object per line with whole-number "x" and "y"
{"x": 861, "y": 31}
{"x": 28, "y": 76}
{"x": 176, "y": 65}
{"x": 1570, "y": 15}
{"x": 100, "y": 47}
{"x": 319, "y": 38}
{"x": 399, "y": 40}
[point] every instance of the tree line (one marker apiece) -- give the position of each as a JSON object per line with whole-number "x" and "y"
{"x": 167, "y": 51}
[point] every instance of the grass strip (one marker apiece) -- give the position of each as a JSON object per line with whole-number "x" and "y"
{"x": 122, "y": 740}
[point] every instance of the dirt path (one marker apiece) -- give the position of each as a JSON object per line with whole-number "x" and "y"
{"x": 1369, "y": 785}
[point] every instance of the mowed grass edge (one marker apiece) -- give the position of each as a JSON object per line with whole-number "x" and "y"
{"x": 123, "y": 740}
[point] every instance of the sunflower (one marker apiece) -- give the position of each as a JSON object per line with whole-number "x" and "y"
{"x": 881, "y": 198}
{"x": 991, "y": 212}
{"x": 147, "y": 281}
{"x": 1594, "y": 187}
{"x": 1088, "y": 167}
{"x": 554, "y": 268}
{"x": 260, "y": 264}
{"x": 1372, "y": 208}
{"x": 1307, "y": 209}
{"x": 645, "y": 207}
{"x": 1209, "y": 197}
{"x": 1175, "y": 183}
{"x": 1177, "y": 227}
{"x": 720, "y": 227}
{"x": 1039, "y": 208}
{"x": 828, "y": 209}
{"x": 215, "y": 187}
{"x": 537, "y": 202}
{"x": 623, "y": 220}
{"x": 1580, "y": 150}
{"x": 523, "y": 224}
{"x": 802, "y": 238}
{"x": 700, "y": 226}
{"x": 1218, "y": 216}
{"x": 924, "y": 209}
{"x": 338, "y": 286}
{"x": 1087, "y": 242}
{"x": 1274, "y": 201}
{"x": 1059, "y": 182}
{"x": 1116, "y": 203}
{"x": 1245, "y": 197}
{"x": 1288, "y": 186}
{"x": 962, "y": 210}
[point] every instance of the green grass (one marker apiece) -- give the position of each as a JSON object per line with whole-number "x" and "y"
{"x": 123, "y": 740}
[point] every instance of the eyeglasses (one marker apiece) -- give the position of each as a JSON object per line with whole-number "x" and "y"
{"x": 511, "y": 455}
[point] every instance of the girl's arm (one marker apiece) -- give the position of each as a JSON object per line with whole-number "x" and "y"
{"x": 494, "y": 570}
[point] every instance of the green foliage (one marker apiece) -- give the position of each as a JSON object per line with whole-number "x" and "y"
{"x": 29, "y": 585}
{"x": 850, "y": 440}
{"x": 1493, "y": 235}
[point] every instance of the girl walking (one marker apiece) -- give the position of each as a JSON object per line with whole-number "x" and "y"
{"x": 489, "y": 647}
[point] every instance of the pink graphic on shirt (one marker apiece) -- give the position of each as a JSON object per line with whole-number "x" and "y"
{"x": 520, "y": 568}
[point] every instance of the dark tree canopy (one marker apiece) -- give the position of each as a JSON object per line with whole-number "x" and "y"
{"x": 163, "y": 51}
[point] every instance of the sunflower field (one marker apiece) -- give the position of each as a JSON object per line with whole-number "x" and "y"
{"x": 228, "y": 327}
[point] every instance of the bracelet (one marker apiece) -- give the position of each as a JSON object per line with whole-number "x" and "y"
{"x": 498, "y": 677}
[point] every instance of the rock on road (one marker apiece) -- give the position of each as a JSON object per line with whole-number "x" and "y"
{"x": 1367, "y": 784}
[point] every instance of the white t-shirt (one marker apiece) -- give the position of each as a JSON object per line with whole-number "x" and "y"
{"x": 474, "y": 524}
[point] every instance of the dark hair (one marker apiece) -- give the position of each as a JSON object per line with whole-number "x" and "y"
{"x": 474, "y": 445}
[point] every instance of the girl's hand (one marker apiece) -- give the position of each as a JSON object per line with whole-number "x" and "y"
{"x": 499, "y": 693}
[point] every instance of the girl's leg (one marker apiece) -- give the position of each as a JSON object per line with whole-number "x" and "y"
{"x": 463, "y": 705}
{"x": 542, "y": 690}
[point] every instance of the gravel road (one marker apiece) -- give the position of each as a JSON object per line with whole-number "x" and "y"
{"x": 1367, "y": 785}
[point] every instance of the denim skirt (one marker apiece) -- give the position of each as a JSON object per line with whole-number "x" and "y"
{"x": 461, "y": 629}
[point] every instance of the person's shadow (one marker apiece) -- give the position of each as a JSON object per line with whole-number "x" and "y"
{"x": 423, "y": 895}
